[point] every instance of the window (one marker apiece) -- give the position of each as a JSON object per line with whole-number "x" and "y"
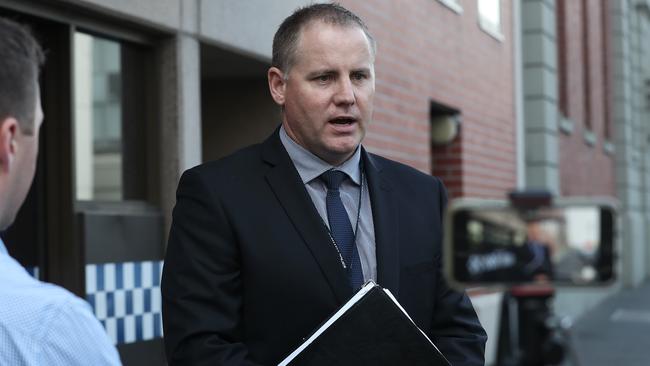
{"x": 110, "y": 145}
{"x": 489, "y": 17}
{"x": 98, "y": 118}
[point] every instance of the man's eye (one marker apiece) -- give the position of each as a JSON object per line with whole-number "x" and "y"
{"x": 359, "y": 76}
{"x": 323, "y": 78}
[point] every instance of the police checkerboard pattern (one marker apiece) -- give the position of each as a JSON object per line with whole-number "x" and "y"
{"x": 126, "y": 299}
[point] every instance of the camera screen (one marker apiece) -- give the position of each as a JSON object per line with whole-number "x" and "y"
{"x": 560, "y": 244}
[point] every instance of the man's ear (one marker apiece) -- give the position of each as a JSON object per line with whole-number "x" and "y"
{"x": 277, "y": 85}
{"x": 8, "y": 131}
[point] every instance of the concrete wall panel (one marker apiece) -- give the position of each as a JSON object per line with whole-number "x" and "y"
{"x": 542, "y": 148}
{"x": 163, "y": 13}
{"x": 540, "y": 114}
{"x": 540, "y": 92}
{"x": 245, "y": 25}
{"x": 633, "y": 252}
{"x": 540, "y": 81}
{"x": 542, "y": 176}
{"x": 545, "y": 50}
{"x": 538, "y": 15}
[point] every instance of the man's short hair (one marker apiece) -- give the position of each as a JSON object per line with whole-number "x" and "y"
{"x": 20, "y": 60}
{"x": 285, "y": 41}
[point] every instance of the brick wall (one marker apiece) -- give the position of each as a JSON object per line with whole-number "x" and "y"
{"x": 426, "y": 52}
{"x": 585, "y": 169}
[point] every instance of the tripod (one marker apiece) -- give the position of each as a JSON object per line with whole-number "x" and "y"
{"x": 530, "y": 334}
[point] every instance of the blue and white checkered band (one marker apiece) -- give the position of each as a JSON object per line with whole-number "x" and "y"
{"x": 126, "y": 299}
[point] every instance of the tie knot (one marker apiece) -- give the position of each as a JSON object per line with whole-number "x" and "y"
{"x": 332, "y": 179}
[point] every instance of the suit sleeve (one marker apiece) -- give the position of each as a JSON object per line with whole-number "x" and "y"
{"x": 455, "y": 327}
{"x": 201, "y": 283}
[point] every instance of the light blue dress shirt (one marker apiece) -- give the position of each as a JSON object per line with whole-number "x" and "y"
{"x": 310, "y": 167}
{"x": 43, "y": 324}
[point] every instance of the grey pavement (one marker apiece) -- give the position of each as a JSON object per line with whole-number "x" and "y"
{"x": 616, "y": 332}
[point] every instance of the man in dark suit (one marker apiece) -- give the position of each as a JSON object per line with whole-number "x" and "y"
{"x": 268, "y": 242}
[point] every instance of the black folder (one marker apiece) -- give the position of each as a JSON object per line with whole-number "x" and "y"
{"x": 372, "y": 328}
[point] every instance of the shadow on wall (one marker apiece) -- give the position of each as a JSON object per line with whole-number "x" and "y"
{"x": 235, "y": 113}
{"x": 237, "y": 109}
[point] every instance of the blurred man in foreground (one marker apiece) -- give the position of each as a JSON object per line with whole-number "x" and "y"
{"x": 40, "y": 324}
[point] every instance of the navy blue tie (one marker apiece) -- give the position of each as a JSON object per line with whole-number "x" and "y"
{"x": 341, "y": 228}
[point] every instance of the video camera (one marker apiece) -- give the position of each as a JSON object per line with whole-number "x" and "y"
{"x": 526, "y": 245}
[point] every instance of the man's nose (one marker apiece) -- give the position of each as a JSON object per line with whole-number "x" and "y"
{"x": 345, "y": 92}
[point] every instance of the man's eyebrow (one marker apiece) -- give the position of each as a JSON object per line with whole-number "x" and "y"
{"x": 362, "y": 69}
{"x": 322, "y": 72}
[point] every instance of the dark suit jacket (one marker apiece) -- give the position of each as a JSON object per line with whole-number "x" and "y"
{"x": 250, "y": 270}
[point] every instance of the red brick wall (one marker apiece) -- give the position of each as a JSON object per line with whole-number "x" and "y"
{"x": 585, "y": 169}
{"x": 428, "y": 52}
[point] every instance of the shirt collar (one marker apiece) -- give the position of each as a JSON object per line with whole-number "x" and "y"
{"x": 3, "y": 249}
{"x": 310, "y": 166}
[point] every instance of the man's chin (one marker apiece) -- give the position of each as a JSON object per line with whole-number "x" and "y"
{"x": 344, "y": 143}
{"x": 339, "y": 154}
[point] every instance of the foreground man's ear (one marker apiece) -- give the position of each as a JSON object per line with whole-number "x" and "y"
{"x": 277, "y": 85}
{"x": 8, "y": 131}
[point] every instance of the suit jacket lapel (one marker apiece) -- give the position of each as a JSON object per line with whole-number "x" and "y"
{"x": 384, "y": 215}
{"x": 290, "y": 191}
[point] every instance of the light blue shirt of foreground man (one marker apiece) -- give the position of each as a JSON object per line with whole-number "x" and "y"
{"x": 43, "y": 324}
{"x": 40, "y": 324}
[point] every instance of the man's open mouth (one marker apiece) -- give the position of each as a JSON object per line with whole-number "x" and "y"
{"x": 343, "y": 120}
